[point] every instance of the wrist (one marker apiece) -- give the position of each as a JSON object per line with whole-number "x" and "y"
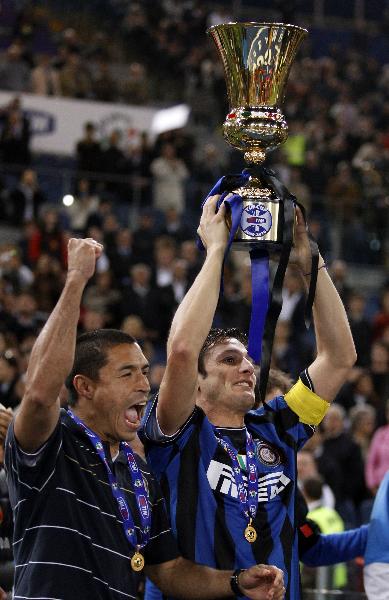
{"x": 77, "y": 275}
{"x": 216, "y": 250}
{"x": 234, "y": 583}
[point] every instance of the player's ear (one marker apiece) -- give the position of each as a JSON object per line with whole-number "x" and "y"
{"x": 84, "y": 386}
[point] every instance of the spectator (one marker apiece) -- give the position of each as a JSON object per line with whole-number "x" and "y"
{"x": 307, "y": 469}
{"x": 13, "y": 271}
{"x": 140, "y": 158}
{"x": 44, "y": 79}
{"x": 339, "y": 274}
{"x": 362, "y": 426}
{"x": 174, "y": 226}
{"x": 180, "y": 280}
{"x": 190, "y": 253}
{"x": 103, "y": 297}
{"x": 340, "y": 463}
{"x": 379, "y": 369}
{"x": 169, "y": 175}
{"x": 47, "y": 283}
{"x": 134, "y": 324}
{"x": 84, "y": 205}
{"x": 104, "y": 86}
{"x": 88, "y": 151}
{"x": 144, "y": 237}
{"x": 9, "y": 375}
{"x": 29, "y": 320}
{"x": 154, "y": 305}
{"x": 135, "y": 86}
{"x": 14, "y": 71}
{"x": 165, "y": 254}
{"x": 15, "y": 136}
{"x": 74, "y": 77}
{"x": 360, "y": 327}
{"x": 377, "y": 461}
{"x": 26, "y": 199}
{"x": 381, "y": 319}
{"x": 49, "y": 238}
{"x": 113, "y": 165}
{"x": 122, "y": 256}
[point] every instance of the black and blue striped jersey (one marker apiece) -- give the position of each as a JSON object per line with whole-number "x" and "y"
{"x": 197, "y": 478}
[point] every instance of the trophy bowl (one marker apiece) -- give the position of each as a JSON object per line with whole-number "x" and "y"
{"x": 257, "y": 58}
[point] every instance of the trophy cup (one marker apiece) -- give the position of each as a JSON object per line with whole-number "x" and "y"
{"x": 257, "y": 58}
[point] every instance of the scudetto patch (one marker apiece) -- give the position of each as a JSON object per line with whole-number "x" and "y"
{"x": 268, "y": 455}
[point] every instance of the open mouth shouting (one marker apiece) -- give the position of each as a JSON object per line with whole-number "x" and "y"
{"x": 133, "y": 415}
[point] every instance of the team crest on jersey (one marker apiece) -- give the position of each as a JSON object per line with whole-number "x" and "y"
{"x": 268, "y": 455}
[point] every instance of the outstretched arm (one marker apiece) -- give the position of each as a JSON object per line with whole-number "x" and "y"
{"x": 335, "y": 347}
{"x": 334, "y": 548}
{"x": 191, "y": 324}
{"x": 53, "y": 352}
{"x": 183, "y": 579}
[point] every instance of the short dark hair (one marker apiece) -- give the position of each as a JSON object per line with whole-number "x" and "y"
{"x": 91, "y": 355}
{"x": 215, "y": 337}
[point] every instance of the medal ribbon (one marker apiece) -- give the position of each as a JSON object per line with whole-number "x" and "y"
{"x": 138, "y": 485}
{"x": 247, "y": 495}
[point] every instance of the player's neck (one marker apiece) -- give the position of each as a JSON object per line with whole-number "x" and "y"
{"x": 94, "y": 426}
{"x": 224, "y": 418}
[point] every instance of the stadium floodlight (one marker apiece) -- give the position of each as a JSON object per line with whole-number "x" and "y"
{"x": 67, "y": 200}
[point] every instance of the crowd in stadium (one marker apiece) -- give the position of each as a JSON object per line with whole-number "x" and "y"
{"x": 336, "y": 162}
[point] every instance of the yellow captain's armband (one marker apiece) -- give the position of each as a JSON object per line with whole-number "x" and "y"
{"x": 306, "y": 404}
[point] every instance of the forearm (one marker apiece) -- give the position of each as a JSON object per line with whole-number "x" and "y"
{"x": 53, "y": 353}
{"x": 333, "y": 334}
{"x": 184, "y": 579}
{"x": 194, "y": 316}
{"x": 335, "y": 346}
{"x": 332, "y": 549}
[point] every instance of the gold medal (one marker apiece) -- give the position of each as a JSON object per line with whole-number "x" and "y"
{"x": 249, "y": 533}
{"x": 137, "y": 561}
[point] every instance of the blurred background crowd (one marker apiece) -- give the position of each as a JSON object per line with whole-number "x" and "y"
{"x": 141, "y": 196}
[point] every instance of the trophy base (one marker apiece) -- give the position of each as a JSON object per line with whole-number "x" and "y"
{"x": 261, "y": 225}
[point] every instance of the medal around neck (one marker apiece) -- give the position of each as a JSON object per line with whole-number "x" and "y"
{"x": 137, "y": 561}
{"x": 250, "y": 533}
{"x": 247, "y": 493}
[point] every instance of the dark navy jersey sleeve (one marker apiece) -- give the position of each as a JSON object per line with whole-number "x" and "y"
{"x": 31, "y": 470}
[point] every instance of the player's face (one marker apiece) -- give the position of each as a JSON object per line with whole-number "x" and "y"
{"x": 121, "y": 394}
{"x": 230, "y": 376}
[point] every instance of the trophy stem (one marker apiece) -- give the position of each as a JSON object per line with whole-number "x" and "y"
{"x": 255, "y": 156}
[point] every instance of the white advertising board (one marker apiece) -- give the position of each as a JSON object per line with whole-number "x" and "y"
{"x": 57, "y": 123}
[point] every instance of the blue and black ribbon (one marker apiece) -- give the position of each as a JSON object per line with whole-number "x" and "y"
{"x": 266, "y": 300}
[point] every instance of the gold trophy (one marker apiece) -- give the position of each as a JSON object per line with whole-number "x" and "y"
{"x": 257, "y": 58}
